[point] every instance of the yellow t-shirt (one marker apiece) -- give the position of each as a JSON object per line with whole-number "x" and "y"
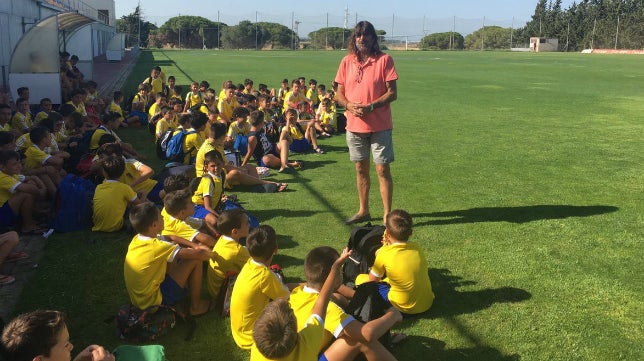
{"x": 111, "y": 198}
{"x": 179, "y": 228}
{"x": 229, "y": 256}
{"x": 312, "y": 95}
{"x": 194, "y": 98}
{"x": 295, "y": 98}
{"x": 35, "y": 157}
{"x": 235, "y": 129}
{"x": 191, "y": 144}
{"x": 306, "y": 347}
{"x": 302, "y": 300}
{"x": 296, "y": 134}
{"x": 255, "y": 286}
{"x": 145, "y": 267}
{"x": 210, "y": 185}
{"x": 40, "y": 116}
{"x": 406, "y": 269}
{"x": 8, "y": 186}
{"x": 201, "y": 154}
{"x": 132, "y": 172}
{"x": 6, "y": 127}
{"x": 153, "y": 110}
{"x": 80, "y": 108}
{"x": 21, "y": 121}
{"x": 329, "y": 118}
{"x": 226, "y": 107}
{"x": 162, "y": 127}
{"x": 156, "y": 85}
{"x": 98, "y": 133}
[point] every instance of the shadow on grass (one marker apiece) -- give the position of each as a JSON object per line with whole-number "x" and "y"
{"x": 513, "y": 214}
{"x": 313, "y": 164}
{"x": 285, "y": 242}
{"x": 451, "y": 302}
{"x": 287, "y": 261}
{"x": 438, "y": 351}
{"x": 267, "y": 214}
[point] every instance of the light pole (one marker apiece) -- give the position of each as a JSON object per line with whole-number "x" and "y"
{"x": 297, "y": 37}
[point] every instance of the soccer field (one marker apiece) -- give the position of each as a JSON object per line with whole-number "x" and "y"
{"x": 525, "y": 177}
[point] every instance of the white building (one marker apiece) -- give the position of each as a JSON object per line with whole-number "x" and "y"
{"x": 81, "y": 27}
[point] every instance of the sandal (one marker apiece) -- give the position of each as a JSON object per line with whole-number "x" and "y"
{"x": 6, "y": 280}
{"x": 319, "y": 150}
{"x": 16, "y": 256}
{"x": 281, "y": 187}
{"x": 298, "y": 165}
{"x": 397, "y": 338}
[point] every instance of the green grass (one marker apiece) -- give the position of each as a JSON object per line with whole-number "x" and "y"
{"x": 524, "y": 174}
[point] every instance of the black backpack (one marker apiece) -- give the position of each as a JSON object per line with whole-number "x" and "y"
{"x": 363, "y": 242}
{"x": 367, "y": 304}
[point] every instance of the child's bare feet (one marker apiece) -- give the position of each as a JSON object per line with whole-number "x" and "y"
{"x": 203, "y": 307}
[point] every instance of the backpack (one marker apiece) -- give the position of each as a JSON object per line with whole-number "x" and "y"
{"x": 162, "y": 144}
{"x": 136, "y": 325}
{"x": 73, "y": 204}
{"x": 364, "y": 242}
{"x": 367, "y": 304}
{"x": 174, "y": 151}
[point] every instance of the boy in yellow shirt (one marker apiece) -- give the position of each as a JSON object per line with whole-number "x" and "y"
{"x": 230, "y": 255}
{"x": 21, "y": 120}
{"x": 406, "y": 286}
{"x": 344, "y": 337}
{"x": 112, "y": 198}
{"x": 45, "y": 109}
{"x": 178, "y": 209}
{"x": 36, "y": 157}
{"x": 256, "y": 285}
{"x": 274, "y": 333}
{"x": 210, "y": 189}
{"x": 17, "y": 194}
{"x": 157, "y": 271}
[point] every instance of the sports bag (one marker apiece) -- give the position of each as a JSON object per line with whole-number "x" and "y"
{"x": 136, "y": 325}
{"x": 174, "y": 151}
{"x": 363, "y": 242}
{"x": 73, "y": 204}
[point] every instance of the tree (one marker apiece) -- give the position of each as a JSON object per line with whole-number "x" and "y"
{"x": 442, "y": 41}
{"x": 489, "y": 37}
{"x": 188, "y": 32}
{"x": 331, "y": 37}
{"x": 276, "y": 36}
{"x": 129, "y": 25}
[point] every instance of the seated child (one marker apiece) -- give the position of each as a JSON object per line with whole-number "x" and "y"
{"x": 160, "y": 101}
{"x": 229, "y": 254}
{"x": 137, "y": 175}
{"x": 17, "y": 194}
{"x": 43, "y": 335}
{"x": 256, "y": 285}
{"x": 345, "y": 337}
{"x": 139, "y": 104}
{"x": 21, "y": 120}
{"x": 165, "y": 121}
{"x": 235, "y": 175}
{"x": 299, "y": 140}
{"x": 210, "y": 190}
{"x": 178, "y": 207}
{"x": 406, "y": 286}
{"x": 112, "y": 198}
{"x": 276, "y": 335}
{"x": 110, "y": 124}
{"x": 36, "y": 158}
{"x": 326, "y": 121}
{"x": 115, "y": 107}
{"x": 237, "y": 136}
{"x": 157, "y": 271}
{"x": 267, "y": 154}
{"x": 45, "y": 108}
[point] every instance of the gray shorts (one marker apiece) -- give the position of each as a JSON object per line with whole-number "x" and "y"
{"x": 380, "y": 144}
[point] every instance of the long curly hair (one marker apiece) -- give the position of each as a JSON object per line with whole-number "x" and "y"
{"x": 364, "y": 28}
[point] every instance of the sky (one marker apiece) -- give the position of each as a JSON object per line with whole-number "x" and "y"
{"x": 398, "y": 18}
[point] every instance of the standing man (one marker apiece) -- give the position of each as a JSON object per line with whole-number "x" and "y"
{"x": 366, "y": 85}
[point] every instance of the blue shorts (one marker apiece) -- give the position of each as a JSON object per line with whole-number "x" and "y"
{"x": 273, "y": 151}
{"x": 383, "y": 289}
{"x": 171, "y": 292}
{"x": 153, "y": 196}
{"x": 8, "y": 219}
{"x": 322, "y": 357}
{"x": 143, "y": 117}
{"x": 200, "y": 212}
{"x": 300, "y": 146}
